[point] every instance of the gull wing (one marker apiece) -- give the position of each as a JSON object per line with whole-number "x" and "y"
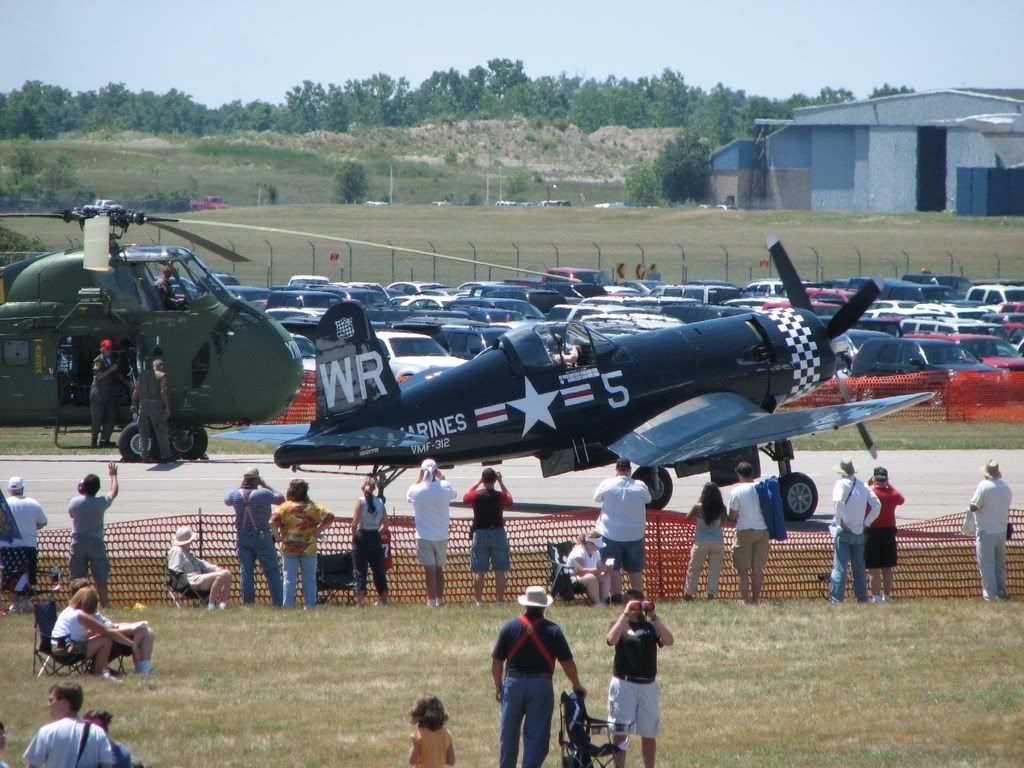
{"x": 724, "y": 421}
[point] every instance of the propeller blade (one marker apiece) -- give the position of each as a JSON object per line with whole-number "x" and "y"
{"x": 787, "y": 273}
{"x": 202, "y": 242}
{"x": 850, "y": 312}
{"x": 869, "y": 442}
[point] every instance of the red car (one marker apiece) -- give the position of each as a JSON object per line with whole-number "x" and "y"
{"x": 990, "y": 350}
{"x": 209, "y": 203}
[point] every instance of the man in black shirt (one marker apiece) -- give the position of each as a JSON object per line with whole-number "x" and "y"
{"x": 633, "y": 693}
{"x": 525, "y": 652}
{"x": 490, "y": 543}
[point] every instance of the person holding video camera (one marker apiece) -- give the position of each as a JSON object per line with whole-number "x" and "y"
{"x": 633, "y": 695}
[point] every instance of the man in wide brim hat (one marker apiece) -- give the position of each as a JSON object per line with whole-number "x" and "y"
{"x": 522, "y": 664}
{"x": 990, "y": 506}
{"x": 845, "y": 468}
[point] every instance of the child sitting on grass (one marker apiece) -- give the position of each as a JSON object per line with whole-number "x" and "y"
{"x": 431, "y": 742}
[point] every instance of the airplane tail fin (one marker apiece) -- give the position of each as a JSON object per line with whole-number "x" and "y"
{"x": 352, "y": 370}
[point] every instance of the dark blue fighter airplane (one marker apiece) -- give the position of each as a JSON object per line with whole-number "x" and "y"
{"x": 694, "y": 398}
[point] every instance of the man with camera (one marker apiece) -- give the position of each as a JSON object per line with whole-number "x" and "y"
{"x": 490, "y": 543}
{"x": 633, "y": 692}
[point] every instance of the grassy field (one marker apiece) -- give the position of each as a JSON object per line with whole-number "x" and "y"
{"x": 889, "y": 436}
{"x": 918, "y": 683}
{"x": 575, "y": 236}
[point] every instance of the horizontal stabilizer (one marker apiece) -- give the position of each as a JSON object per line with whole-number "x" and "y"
{"x": 724, "y": 421}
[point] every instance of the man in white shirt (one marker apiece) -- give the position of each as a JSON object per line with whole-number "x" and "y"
{"x": 430, "y": 497}
{"x": 856, "y": 507}
{"x": 622, "y": 523}
{"x": 750, "y": 550}
{"x": 19, "y": 556}
{"x": 990, "y": 506}
{"x": 65, "y": 743}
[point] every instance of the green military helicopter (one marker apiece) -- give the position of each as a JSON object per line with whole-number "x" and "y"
{"x": 227, "y": 361}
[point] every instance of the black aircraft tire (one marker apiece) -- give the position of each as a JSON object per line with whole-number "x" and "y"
{"x": 129, "y": 443}
{"x": 659, "y": 482}
{"x": 799, "y": 496}
{"x": 189, "y": 442}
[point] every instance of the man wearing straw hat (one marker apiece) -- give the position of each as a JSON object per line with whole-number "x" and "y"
{"x": 522, "y": 665}
{"x": 990, "y": 506}
{"x": 852, "y": 501}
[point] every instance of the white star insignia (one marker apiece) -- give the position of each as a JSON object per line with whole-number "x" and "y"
{"x": 535, "y": 407}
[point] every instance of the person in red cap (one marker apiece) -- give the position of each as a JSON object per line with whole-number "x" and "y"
{"x": 101, "y": 395}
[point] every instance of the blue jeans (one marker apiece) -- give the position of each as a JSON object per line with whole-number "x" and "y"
{"x": 849, "y": 555}
{"x": 531, "y": 699}
{"x": 256, "y": 545}
{"x": 291, "y": 567}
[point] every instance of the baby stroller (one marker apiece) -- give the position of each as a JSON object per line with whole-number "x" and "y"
{"x": 575, "y": 735}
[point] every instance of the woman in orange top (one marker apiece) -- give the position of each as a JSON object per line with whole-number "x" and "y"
{"x": 297, "y": 523}
{"x": 431, "y": 742}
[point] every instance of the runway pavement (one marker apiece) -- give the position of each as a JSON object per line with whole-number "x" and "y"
{"x": 935, "y": 483}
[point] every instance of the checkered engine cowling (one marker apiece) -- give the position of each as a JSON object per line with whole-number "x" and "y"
{"x": 807, "y": 367}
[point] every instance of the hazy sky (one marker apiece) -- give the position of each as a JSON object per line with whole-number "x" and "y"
{"x": 222, "y": 50}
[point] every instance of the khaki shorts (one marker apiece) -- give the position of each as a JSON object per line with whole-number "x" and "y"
{"x": 431, "y": 553}
{"x": 750, "y": 550}
{"x": 635, "y": 703}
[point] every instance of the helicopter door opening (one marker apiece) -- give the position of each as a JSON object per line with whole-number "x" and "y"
{"x": 75, "y": 355}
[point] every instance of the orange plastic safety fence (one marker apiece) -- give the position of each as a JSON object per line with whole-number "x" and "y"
{"x": 935, "y": 560}
{"x": 302, "y": 409}
{"x": 963, "y": 396}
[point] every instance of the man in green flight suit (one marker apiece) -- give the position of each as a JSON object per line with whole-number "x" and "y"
{"x": 101, "y": 395}
{"x": 152, "y": 402}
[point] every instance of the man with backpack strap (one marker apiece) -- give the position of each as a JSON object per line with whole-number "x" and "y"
{"x": 252, "y": 502}
{"x": 67, "y": 740}
{"x": 522, "y": 665}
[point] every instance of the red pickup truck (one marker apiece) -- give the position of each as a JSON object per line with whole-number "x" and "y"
{"x": 209, "y": 203}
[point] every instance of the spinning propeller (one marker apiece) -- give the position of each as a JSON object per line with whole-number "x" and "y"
{"x": 841, "y": 321}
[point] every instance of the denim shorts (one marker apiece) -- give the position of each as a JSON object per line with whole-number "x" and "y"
{"x": 89, "y": 552}
{"x": 490, "y": 549}
{"x": 628, "y": 555}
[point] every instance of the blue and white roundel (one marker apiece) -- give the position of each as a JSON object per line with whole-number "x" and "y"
{"x": 800, "y": 342}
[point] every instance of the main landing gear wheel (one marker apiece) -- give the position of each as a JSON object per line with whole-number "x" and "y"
{"x": 799, "y": 496}
{"x": 659, "y": 481}
{"x": 129, "y": 443}
{"x": 189, "y": 442}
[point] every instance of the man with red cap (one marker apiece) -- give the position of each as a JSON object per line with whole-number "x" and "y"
{"x": 101, "y": 395}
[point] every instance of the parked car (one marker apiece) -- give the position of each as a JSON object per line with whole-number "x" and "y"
{"x": 994, "y": 294}
{"x": 468, "y": 341}
{"x": 706, "y": 293}
{"x": 771, "y": 287}
{"x": 307, "y": 349}
{"x": 412, "y": 353}
{"x": 582, "y": 274}
{"x": 958, "y": 283}
{"x": 209, "y": 203}
{"x": 999, "y": 353}
{"x": 304, "y": 299}
{"x": 888, "y": 357}
{"x": 914, "y": 325}
{"x": 251, "y": 293}
{"x": 408, "y": 288}
{"x": 307, "y": 281}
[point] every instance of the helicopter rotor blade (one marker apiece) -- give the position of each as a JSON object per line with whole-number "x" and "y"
{"x": 367, "y": 243}
{"x": 202, "y": 242}
{"x": 787, "y": 273}
{"x": 850, "y": 312}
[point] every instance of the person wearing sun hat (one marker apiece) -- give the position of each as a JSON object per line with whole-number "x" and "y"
{"x": 856, "y": 507}
{"x": 201, "y": 575}
{"x": 522, "y": 664}
{"x": 990, "y": 506}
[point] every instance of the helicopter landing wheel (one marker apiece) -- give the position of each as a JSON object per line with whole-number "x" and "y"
{"x": 659, "y": 481}
{"x": 189, "y": 442}
{"x": 129, "y": 443}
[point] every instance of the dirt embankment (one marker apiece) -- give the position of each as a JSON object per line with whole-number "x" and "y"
{"x": 557, "y": 151}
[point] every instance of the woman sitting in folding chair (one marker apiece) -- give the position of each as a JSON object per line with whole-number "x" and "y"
{"x": 585, "y": 562}
{"x": 201, "y": 575}
{"x": 78, "y": 632}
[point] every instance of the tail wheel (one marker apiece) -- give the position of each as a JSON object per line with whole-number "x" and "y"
{"x": 129, "y": 443}
{"x": 799, "y": 496}
{"x": 659, "y": 481}
{"x": 189, "y": 442}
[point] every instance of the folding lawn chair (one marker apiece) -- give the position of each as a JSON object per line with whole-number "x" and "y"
{"x": 561, "y": 583}
{"x": 182, "y": 593}
{"x": 576, "y": 732}
{"x": 43, "y": 656}
{"x": 335, "y": 576}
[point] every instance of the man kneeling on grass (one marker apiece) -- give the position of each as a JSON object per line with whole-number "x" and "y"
{"x": 633, "y": 692}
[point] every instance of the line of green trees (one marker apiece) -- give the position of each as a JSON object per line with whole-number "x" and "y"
{"x": 501, "y": 89}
